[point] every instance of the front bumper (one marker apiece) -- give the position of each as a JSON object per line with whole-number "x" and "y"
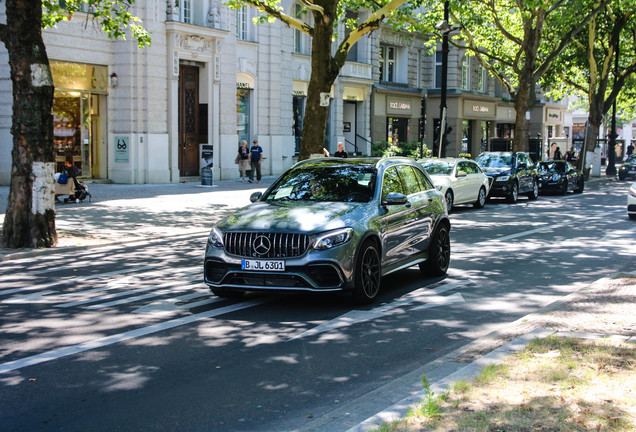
{"x": 315, "y": 271}
{"x": 500, "y": 188}
{"x": 550, "y": 186}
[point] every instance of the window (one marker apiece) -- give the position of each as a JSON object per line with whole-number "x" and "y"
{"x": 438, "y": 69}
{"x": 481, "y": 83}
{"x": 391, "y": 183}
{"x": 466, "y": 73}
{"x": 387, "y": 63}
{"x": 241, "y": 23}
{"x": 410, "y": 179}
{"x": 185, "y": 7}
{"x": 424, "y": 182}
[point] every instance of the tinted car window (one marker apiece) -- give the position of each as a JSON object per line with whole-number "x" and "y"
{"x": 325, "y": 182}
{"x": 438, "y": 168}
{"x": 391, "y": 183}
{"x": 555, "y": 167}
{"x": 425, "y": 184}
{"x": 475, "y": 167}
{"x": 410, "y": 179}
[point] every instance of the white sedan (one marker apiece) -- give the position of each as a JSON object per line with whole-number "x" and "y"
{"x": 631, "y": 201}
{"x": 460, "y": 180}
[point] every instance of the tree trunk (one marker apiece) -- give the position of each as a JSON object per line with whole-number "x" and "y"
{"x": 30, "y": 217}
{"x": 594, "y": 120}
{"x": 324, "y": 72}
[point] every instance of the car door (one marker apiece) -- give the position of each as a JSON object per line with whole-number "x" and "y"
{"x": 464, "y": 182}
{"x": 524, "y": 172}
{"x": 395, "y": 220}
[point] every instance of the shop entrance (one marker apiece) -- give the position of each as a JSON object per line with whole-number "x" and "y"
{"x": 397, "y": 130}
{"x": 73, "y": 130}
{"x": 188, "y": 121}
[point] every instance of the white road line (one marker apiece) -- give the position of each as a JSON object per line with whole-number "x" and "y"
{"x": 193, "y": 283}
{"x": 121, "y": 337}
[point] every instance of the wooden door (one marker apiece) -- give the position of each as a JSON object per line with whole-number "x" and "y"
{"x": 188, "y": 121}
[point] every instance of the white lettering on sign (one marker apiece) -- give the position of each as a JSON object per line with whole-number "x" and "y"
{"x": 400, "y": 105}
{"x": 480, "y": 108}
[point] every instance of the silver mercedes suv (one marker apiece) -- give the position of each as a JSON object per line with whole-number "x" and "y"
{"x": 332, "y": 225}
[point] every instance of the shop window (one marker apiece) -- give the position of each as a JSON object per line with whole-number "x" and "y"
{"x": 299, "y": 116}
{"x": 243, "y": 114}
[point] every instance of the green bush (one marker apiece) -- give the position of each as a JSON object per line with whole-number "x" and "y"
{"x": 406, "y": 149}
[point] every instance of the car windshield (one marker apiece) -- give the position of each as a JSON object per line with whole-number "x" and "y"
{"x": 438, "y": 168}
{"x": 325, "y": 182}
{"x": 495, "y": 161}
{"x": 553, "y": 167}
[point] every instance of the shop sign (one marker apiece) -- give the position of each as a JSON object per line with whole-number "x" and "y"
{"x": 396, "y": 106}
{"x": 79, "y": 76}
{"x": 299, "y": 88}
{"x": 354, "y": 94}
{"x": 244, "y": 81}
{"x": 479, "y": 109}
{"x": 553, "y": 115}
{"x": 122, "y": 149}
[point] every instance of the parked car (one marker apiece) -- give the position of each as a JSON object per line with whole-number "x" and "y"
{"x": 559, "y": 176}
{"x": 631, "y": 201}
{"x": 513, "y": 173}
{"x": 460, "y": 180}
{"x": 628, "y": 168}
{"x": 332, "y": 225}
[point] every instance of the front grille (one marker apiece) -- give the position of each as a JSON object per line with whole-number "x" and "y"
{"x": 281, "y": 245}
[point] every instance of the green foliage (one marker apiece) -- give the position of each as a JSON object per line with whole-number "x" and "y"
{"x": 406, "y": 149}
{"x": 430, "y": 405}
{"x": 113, "y": 16}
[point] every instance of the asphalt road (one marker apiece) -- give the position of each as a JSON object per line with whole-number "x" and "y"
{"x": 127, "y": 337}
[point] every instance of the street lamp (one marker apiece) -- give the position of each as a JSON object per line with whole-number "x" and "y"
{"x": 445, "y": 28}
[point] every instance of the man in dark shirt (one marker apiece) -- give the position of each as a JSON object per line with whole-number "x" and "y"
{"x": 256, "y": 157}
{"x": 342, "y": 153}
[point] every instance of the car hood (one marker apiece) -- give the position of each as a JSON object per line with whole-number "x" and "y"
{"x": 298, "y": 217}
{"x": 493, "y": 172}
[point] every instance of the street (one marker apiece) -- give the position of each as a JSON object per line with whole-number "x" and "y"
{"x": 128, "y": 337}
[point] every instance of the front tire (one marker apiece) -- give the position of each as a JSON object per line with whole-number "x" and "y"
{"x": 367, "y": 274}
{"x": 581, "y": 186}
{"x": 439, "y": 253}
{"x": 564, "y": 189}
{"x": 513, "y": 196}
{"x": 481, "y": 199}
{"x": 449, "y": 200}
{"x": 534, "y": 194}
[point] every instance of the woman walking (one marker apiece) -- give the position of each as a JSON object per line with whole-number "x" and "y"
{"x": 243, "y": 158}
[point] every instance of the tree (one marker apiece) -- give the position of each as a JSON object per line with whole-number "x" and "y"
{"x": 588, "y": 66}
{"x": 518, "y": 41}
{"x": 325, "y": 67}
{"x": 30, "y": 217}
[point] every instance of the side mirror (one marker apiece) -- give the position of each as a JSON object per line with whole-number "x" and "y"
{"x": 461, "y": 173}
{"x": 394, "y": 198}
{"x": 255, "y": 196}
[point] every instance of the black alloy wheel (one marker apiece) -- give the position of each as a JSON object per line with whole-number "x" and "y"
{"x": 367, "y": 274}
{"x": 513, "y": 196}
{"x": 534, "y": 193}
{"x": 449, "y": 200}
{"x": 481, "y": 199}
{"x": 580, "y": 186}
{"x": 439, "y": 253}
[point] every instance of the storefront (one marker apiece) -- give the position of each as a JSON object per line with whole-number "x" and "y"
{"x": 396, "y": 114}
{"x": 477, "y": 126}
{"x": 244, "y": 91}
{"x": 80, "y": 97}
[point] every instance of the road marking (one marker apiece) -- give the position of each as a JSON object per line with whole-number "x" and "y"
{"x": 430, "y": 298}
{"x": 171, "y": 305}
{"x": 192, "y": 284}
{"x": 121, "y": 337}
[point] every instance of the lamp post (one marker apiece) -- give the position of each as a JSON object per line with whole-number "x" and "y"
{"x": 445, "y": 28}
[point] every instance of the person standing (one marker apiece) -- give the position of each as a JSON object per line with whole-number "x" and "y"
{"x": 557, "y": 154}
{"x": 243, "y": 159}
{"x": 341, "y": 153}
{"x": 256, "y": 157}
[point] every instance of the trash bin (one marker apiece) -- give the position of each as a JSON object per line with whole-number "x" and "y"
{"x": 206, "y": 177}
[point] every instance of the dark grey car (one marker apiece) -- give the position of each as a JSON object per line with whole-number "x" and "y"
{"x": 331, "y": 225}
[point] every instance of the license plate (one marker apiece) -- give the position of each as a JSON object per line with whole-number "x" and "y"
{"x": 263, "y": 265}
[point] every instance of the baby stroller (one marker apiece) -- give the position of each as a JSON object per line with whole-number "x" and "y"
{"x": 75, "y": 190}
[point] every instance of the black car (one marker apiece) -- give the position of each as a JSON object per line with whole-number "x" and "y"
{"x": 628, "y": 169}
{"x": 560, "y": 177}
{"x": 513, "y": 173}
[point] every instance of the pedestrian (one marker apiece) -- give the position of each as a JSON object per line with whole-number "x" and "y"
{"x": 557, "y": 154}
{"x": 630, "y": 149}
{"x": 569, "y": 155}
{"x": 341, "y": 153}
{"x": 256, "y": 157}
{"x": 243, "y": 158}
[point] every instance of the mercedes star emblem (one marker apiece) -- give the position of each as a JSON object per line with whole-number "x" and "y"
{"x": 262, "y": 245}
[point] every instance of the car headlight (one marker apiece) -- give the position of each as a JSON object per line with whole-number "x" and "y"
{"x": 502, "y": 178}
{"x": 632, "y": 192}
{"x": 216, "y": 238}
{"x": 332, "y": 239}
{"x": 623, "y": 168}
